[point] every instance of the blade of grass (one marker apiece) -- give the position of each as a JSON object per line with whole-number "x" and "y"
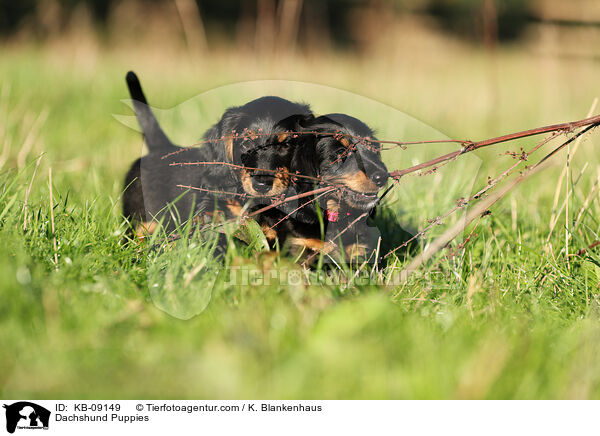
{"x": 52, "y": 219}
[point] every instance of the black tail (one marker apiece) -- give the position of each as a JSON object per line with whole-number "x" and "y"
{"x": 155, "y": 137}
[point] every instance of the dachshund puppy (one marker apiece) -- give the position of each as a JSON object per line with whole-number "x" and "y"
{"x": 247, "y": 153}
{"x": 342, "y": 152}
{"x": 257, "y": 140}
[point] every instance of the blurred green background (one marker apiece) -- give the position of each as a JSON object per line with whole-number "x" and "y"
{"x": 513, "y": 315}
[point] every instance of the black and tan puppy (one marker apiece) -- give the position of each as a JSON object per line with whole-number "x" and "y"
{"x": 253, "y": 135}
{"x": 257, "y": 138}
{"x": 344, "y": 154}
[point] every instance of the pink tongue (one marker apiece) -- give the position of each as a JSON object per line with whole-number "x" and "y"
{"x": 331, "y": 216}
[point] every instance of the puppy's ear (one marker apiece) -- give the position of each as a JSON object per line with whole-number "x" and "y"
{"x": 304, "y": 121}
{"x": 232, "y": 123}
{"x": 305, "y": 162}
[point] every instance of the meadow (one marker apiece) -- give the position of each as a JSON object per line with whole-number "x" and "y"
{"x": 514, "y": 313}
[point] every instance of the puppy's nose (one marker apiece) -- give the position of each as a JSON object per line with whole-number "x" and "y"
{"x": 379, "y": 178}
{"x": 262, "y": 184}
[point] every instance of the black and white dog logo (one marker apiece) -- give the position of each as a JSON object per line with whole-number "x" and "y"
{"x": 26, "y": 415}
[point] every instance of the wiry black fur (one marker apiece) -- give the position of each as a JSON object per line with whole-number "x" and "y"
{"x": 319, "y": 156}
{"x": 257, "y": 126}
{"x": 259, "y": 141}
{"x": 152, "y": 181}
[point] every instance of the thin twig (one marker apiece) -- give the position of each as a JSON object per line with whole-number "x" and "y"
{"x": 298, "y": 208}
{"x": 330, "y": 244}
{"x": 462, "y": 203}
{"x": 563, "y": 172}
{"x": 566, "y": 127}
{"x": 242, "y": 167}
{"x": 292, "y": 198}
{"x": 458, "y": 227}
{"x": 482, "y": 208}
{"x": 214, "y": 191}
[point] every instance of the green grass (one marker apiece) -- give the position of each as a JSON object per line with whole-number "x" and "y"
{"x": 505, "y": 318}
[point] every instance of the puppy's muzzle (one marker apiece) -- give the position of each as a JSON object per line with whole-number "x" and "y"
{"x": 262, "y": 183}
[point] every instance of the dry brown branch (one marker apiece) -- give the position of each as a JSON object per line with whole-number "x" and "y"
{"x": 330, "y": 244}
{"x": 453, "y": 231}
{"x": 240, "y": 167}
{"x": 562, "y": 174}
{"x": 482, "y": 208}
{"x": 469, "y": 147}
{"x": 292, "y": 198}
{"x": 298, "y": 208}
{"x": 461, "y": 203}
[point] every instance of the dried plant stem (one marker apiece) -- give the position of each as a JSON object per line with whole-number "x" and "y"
{"x": 330, "y": 244}
{"x": 472, "y": 146}
{"x": 467, "y": 145}
{"x": 52, "y": 218}
{"x": 31, "y": 137}
{"x": 477, "y": 211}
{"x": 28, "y": 192}
{"x": 483, "y": 206}
{"x": 491, "y": 185}
{"x": 298, "y": 208}
{"x": 213, "y": 191}
{"x": 567, "y": 166}
{"x": 242, "y": 167}
{"x": 292, "y": 198}
{"x": 360, "y": 139}
{"x": 562, "y": 174}
{"x": 555, "y": 130}
{"x": 321, "y": 191}
{"x": 564, "y": 203}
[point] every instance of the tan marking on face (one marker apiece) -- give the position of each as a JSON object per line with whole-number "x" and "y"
{"x": 280, "y": 183}
{"x": 234, "y": 207}
{"x": 333, "y": 205}
{"x": 357, "y": 181}
{"x": 345, "y": 142}
{"x": 229, "y": 148}
{"x": 247, "y": 182}
{"x": 270, "y": 233}
{"x": 145, "y": 228}
{"x": 282, "y": 137}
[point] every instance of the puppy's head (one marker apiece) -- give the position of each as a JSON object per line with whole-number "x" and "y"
{"x": 348, "y": 156}
{"x": 262, "y": 144}
{"x": 264, "y": 153}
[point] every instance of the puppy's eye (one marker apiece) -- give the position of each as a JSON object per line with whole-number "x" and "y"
{"x": 247, "y": 157}
{"x": 343, "y": 153}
